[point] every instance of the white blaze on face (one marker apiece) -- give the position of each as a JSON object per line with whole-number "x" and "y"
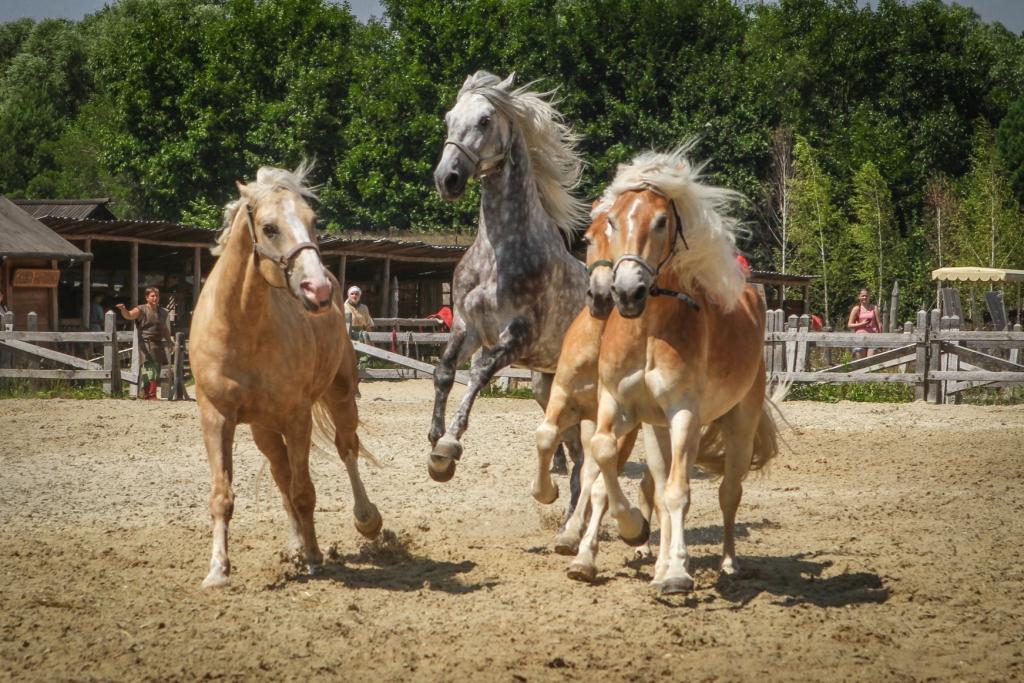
{"x": 631, "y": 219}
{"x": 307, "y": 261}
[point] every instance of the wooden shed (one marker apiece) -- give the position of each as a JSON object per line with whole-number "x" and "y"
{"x": 31, "y": 258}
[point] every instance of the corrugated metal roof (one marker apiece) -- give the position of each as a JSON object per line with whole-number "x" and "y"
{"x": 23, "y": 236}
{"x": 67, "y": 208}
{"x": 158, "y": 232}
{"x": 174, "y": 234}
{"x": 771, "y": 277}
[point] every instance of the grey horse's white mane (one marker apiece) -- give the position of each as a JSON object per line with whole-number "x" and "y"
{"x": 267, "y": 180}
{"x": 706, "y": 212}
{"x": 551, "y": 143}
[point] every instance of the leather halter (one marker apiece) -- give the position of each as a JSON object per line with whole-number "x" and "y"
{"x": 653, "y": 272}
{"x": 283, "y": 261}
{"x": 496, "y": 160}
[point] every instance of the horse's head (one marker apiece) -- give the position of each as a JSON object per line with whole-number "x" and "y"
{"x": 282, "y": 227}
{"x": 646, "y": 227}
{"x": 479, "y": 135}
{"x": 599, "y": 265}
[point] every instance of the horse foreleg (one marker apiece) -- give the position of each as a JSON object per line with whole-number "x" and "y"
{"x": 659, "y": 449}
{"x": 584, "y": 566}
{"x": 461, "y": 345}
{"x": 218, "y": 435}
{"x": 448, "y": 449}
{"x": 684, "y": 428}
{"x": 302, "y": 493}
{"x": 271, "y": 444}
{"x": 367, "y": 517}
{"x": 543, "y": 385}
{"x": 633, "y": 528}
{"x": 567, "y": 541}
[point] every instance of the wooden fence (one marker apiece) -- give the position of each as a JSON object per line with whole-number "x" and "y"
{"x": 932, "y": 353}
{"x": 118, "y": 364}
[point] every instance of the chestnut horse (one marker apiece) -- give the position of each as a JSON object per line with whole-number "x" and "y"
{"x": 683, "y": 350}
{"x": 268, "y": 347}
{"x": 573, "y": 399}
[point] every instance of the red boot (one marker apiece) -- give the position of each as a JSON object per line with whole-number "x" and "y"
{"x": 151, "y": 390}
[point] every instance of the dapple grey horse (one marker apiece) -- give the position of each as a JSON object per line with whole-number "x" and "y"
{"x": 518, "y": 288}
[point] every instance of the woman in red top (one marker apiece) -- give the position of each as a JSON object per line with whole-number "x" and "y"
{"x": 864, "y": 319}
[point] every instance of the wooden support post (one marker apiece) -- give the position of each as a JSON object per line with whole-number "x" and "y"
{"x": 921, "y": 358}
{"x": 32, "y": 321}
{"x": 197, "y": 275}
{"x": 342, "y": 268}
{"x": 778, "y": 354}
{"x": 894, "y": 305}
{"x": 1015, "y": 352}
{"x": 385, "y": 298}
{"x": 134, "y": 275}
{"x": 934, "y": 355}
{"x": 974, "y": 319}
{"x": 87, "y": 288}
{"x": 54, "y": 307}
{"x": 111, "y": 364}
{"x": 394, "y": 297}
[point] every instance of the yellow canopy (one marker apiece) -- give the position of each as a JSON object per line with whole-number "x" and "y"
{"x": 972, "y": 274}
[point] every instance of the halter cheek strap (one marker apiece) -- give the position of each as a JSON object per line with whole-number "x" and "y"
{"x": 283, "y": 261}
{"x": 653, "y": 272}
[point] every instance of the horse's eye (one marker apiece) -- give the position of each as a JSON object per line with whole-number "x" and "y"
{"x": 485, "y": 121}
{"x": 270, "y": 231}
{"x": 588, "y": 240}
{"x": 661, "y": 223}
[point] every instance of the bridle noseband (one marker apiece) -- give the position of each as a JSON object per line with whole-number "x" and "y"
{"x": 283, "y": 261}
{"x": 496, "y": 160}
{"x": 653, "y": 272}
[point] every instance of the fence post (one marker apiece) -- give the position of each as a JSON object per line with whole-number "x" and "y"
{"x": 178, "y": 376}
{"x": 111, "y": 362}
{"x": 1015, "y": 351}
{"x": 791, "y": 327}
{"x": 804, "y": 325}
{"x": 894, "y": 304}
{"x": 921, "y": 360}
{"x": 934, "y": 354}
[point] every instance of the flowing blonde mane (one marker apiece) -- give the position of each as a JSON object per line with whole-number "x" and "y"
{"x": 706, "y": 213}
{"x": 551, "y": 144}
{"x": 267, "y": 180}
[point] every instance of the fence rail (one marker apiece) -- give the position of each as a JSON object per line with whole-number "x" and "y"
{"x": 932, "y": 353}
{"x": 118, "y": 346}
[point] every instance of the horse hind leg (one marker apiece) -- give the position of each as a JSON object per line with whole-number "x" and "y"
{"x": 739, "y": 426}
{"x": 271, "y": 444}
{"x": 338, "y": 413}
{"x": 543, "y": 388}
{"x": 218, "y": 436}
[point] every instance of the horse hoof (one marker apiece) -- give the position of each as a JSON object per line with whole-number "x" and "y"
{"x": 371, "y": 528}
{"x": 545, "y": 497}
{"x": 216, "y": 580}
{"x": 582, "y": 572}
{"x": 567, "y": 544}
{"x": 447, "y": 447}
{"x": 642, "y": 538}
{"x": 440, "y": 469}
{"x": 315, "y": 569}
{"x": 676, "y": 584}
{"x": 558, "y": 464}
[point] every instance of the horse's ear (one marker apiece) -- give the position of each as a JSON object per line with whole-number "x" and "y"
{"x": 507, "y": 83}
{"x": 243, "y": 190}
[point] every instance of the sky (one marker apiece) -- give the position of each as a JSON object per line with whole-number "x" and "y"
{"x": 1009, "y": 12}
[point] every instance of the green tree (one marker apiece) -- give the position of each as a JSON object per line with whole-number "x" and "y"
{"x": 818, "y": 226}
{"x": 992, "y": 230}
{"x": 873, "y": 232}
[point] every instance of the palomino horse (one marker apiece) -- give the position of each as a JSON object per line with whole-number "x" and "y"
{"x": 683, "y": 350}
{"x": 517, "y": 288}
{"x": 269, "y": 348}
{"x": 573, "y": 399}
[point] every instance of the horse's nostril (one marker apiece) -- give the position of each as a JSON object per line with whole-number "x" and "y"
{"x": 451, "y": 180}
{"x": 640, "y": 293}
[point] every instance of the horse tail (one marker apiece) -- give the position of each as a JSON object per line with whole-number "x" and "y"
{"x": 711, "y": 453}
{"x": 325, "y": 432}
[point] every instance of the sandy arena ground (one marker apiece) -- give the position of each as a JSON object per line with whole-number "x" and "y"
{"x": 885, "y": 544}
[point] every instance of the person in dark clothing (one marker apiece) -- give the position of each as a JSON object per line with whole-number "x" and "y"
{"x": 151, "y": 319}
